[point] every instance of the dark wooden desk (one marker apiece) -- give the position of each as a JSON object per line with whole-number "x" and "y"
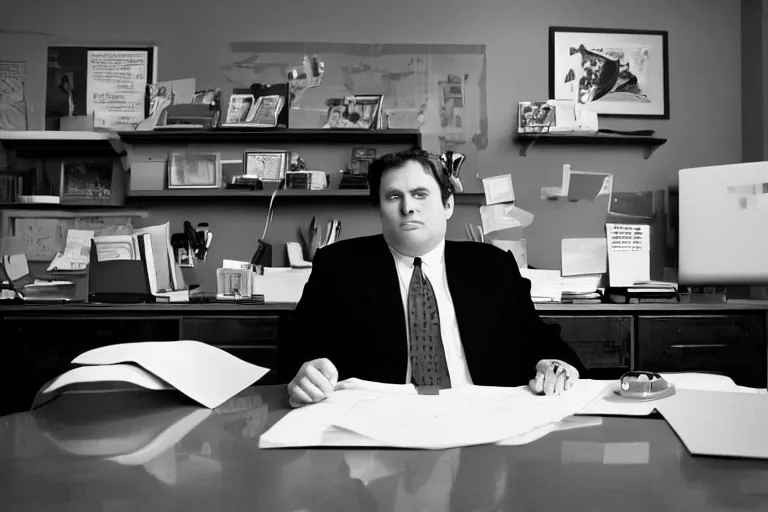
{"x": 40, "y": 341}
{"x": 58, "y": 458}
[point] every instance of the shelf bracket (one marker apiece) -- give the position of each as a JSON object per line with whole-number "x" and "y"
{"x": 649, "y": 151}
{"x": 525, "y": 147}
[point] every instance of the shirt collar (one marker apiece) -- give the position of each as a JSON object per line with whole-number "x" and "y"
{"x": 433, "y": 258}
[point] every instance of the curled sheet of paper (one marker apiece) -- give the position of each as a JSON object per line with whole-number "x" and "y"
{"x": 496, "y": 217}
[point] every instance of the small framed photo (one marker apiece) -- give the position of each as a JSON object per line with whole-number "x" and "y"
{"x": 268, "y": 165}
{"x": 86, "y": 180}
{"x": 194, "y": 170}
{"x": 361, "y": 159}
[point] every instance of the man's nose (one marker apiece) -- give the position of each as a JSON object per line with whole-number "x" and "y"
{"x": 406, "y": 206}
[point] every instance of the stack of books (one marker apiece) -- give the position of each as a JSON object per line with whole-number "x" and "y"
{"x": 643, "y": 292}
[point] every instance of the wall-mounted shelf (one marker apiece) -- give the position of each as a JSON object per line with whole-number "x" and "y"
{"x": 221, "y": 193}
{"x": 46, "y": 144}
{"x": 273, "y": 136}
{"x": 527, "y": 140}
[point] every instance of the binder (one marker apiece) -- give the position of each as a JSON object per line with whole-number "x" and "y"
{"x": 119, "y": 281}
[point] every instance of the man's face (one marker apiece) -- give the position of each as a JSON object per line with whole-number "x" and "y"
{"x": 413, "y": 217}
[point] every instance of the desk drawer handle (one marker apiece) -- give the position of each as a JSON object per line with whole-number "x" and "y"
{"x": 701, "y": 345}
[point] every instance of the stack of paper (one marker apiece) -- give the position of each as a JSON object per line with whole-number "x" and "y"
{"x": 464, "y": 416}
{"x": 207, "y": 374}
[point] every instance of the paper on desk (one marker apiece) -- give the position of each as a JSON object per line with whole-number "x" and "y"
{"x": 465, "y": 416}
{"x": 545, "y": 284}
{"x": 13, "y": 254}
{"x": 583, "y": 256}
{"x": 281, "y": 284}
{"x": 719, "y": 423}
{"x": 499, "y": 189}
{"x": 207, "y": 374}
{"x": 611, "y": 404}
{"x": 629, "y": 253}
{"x": 496, "y": 217}
{"x": 569, "y": 423}
{"x": 578, "y": 185}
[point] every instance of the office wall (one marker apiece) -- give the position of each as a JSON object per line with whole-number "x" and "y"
{"x": 193, "y": 36}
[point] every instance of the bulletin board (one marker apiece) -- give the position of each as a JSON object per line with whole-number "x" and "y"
{"x": 439, "y": 89}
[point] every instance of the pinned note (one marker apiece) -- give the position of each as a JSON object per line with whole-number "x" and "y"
{"x": 499, "y": 189}
{"x": 496, "y": 217}
{"x": 629, "y": 253}
{"x": 14, "y": 257}
{"x": 580, "y": 185}
{"x": 583, "y": 256}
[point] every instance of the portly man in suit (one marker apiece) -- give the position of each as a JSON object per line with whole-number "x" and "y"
{"x": 409, "y": 307}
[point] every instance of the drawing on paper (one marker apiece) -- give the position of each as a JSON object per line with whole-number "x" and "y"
{"x": 13, "y": 101}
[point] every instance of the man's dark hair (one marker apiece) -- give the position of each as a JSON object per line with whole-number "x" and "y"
{"x": 428, "y": 161}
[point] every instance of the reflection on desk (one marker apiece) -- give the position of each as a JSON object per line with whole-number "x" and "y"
{"x": 154, "y": 451}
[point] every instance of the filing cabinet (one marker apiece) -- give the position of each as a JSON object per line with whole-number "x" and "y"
{"x": 733, "y": 345}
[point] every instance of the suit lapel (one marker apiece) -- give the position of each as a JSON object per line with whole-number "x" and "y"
{"x": 388, "y": 303}
{"x": 468, "y": 301}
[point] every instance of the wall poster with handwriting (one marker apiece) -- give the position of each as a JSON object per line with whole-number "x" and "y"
{"x": 108, "y": 83}
{"x": 117, "y": 81}
{"x": 13, "y": 99}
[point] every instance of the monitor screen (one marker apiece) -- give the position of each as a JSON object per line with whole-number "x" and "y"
{"x": 723, "y": 225}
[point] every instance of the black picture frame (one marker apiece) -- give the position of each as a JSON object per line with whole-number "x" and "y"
{"x": 636, "y": 93}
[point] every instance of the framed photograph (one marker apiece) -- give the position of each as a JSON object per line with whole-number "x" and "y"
{"x": 612, "y": 72}
{"x": 270, "y": 165}
{"x": 194, "y": 170}
{"x": 88, "y": 181}
{"x": 361, "y": 159}
{"x": 362, "y": 112}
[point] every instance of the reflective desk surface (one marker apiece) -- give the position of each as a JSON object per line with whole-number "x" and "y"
{"x": 124, "y": 451}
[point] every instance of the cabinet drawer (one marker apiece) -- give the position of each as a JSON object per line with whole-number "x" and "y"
{"x": 600, "y": 341}
{"x": 232, "y": 330}
{"x": 732, "y": 344}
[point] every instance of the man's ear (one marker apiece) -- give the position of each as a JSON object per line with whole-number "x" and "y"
{"x": 449, "y": 207}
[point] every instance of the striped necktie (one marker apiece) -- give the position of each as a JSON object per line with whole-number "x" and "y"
{"x": 428, "y": 365}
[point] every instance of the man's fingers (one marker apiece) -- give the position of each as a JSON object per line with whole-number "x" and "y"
{"x": 537, "y": 383}
{"x": 311, "y": 390}
{"x": 560, "y": 381}
{"x": 327, "y": 368}
{"x": 549, "y": 379}
{"x": 299, "y": 397}
{"x": 322, "y": 382}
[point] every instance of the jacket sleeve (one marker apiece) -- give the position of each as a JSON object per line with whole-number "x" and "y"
{"x": 304, "y": 337}
{"x": 543, "y": 340}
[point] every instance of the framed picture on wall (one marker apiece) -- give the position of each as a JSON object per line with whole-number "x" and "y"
{"x": 610, "y": 71}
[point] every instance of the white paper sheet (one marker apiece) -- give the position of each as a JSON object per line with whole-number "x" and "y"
{"x": 719, "y": 423}
{"x": 114, "y": 373}
{"x": 464, "y": 416}
{"x": 496, "y": 217}
{"x": 207, "y": 374}
{"x": 581, "y": 256}
{"x": 629, "y": 253}
{"x": 611, "y": 404}
{"x": 499, "y": 189}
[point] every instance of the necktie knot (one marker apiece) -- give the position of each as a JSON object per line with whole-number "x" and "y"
{"x": 417, "y": 261}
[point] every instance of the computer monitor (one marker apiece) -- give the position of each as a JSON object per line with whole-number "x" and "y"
{"x": 723, "y": 225}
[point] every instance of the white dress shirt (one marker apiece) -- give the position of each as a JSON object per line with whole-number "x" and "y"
{"x": 433, "y": 266}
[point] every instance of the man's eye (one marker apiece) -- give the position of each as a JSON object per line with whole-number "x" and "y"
{"x": 420, "y": 195}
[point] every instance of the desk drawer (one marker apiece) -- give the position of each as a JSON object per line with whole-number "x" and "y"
{"x": 602, "y": 342}
{"x": 232, "y": 330}
{"x": 732, "y": 345}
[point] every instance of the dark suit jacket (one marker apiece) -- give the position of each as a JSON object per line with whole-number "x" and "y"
{"x": 351, "y": 312}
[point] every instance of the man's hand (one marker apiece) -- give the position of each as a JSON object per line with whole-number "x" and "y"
{"x": 314, "y": 382}
{"x": 553, "y": 377}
